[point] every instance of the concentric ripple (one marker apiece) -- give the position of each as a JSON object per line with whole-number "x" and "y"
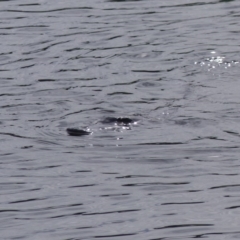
{"x": 155, "y": 83}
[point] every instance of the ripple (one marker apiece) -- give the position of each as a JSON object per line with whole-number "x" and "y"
{"x": 174, "y": 174}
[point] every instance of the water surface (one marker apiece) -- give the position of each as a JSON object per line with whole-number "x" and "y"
{"x": 173, "y": 66}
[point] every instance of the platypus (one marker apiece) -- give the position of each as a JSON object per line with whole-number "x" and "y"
{"x": 120, "y": 121}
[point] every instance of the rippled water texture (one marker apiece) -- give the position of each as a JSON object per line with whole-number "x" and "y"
{"x": 171, "y": 65}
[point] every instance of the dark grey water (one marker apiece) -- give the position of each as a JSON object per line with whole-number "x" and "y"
{"x": 174, "y": 66}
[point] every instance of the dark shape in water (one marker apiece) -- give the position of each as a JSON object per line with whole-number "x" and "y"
{"x": 77, "y": 132}
{"x": 120, "y": 121}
